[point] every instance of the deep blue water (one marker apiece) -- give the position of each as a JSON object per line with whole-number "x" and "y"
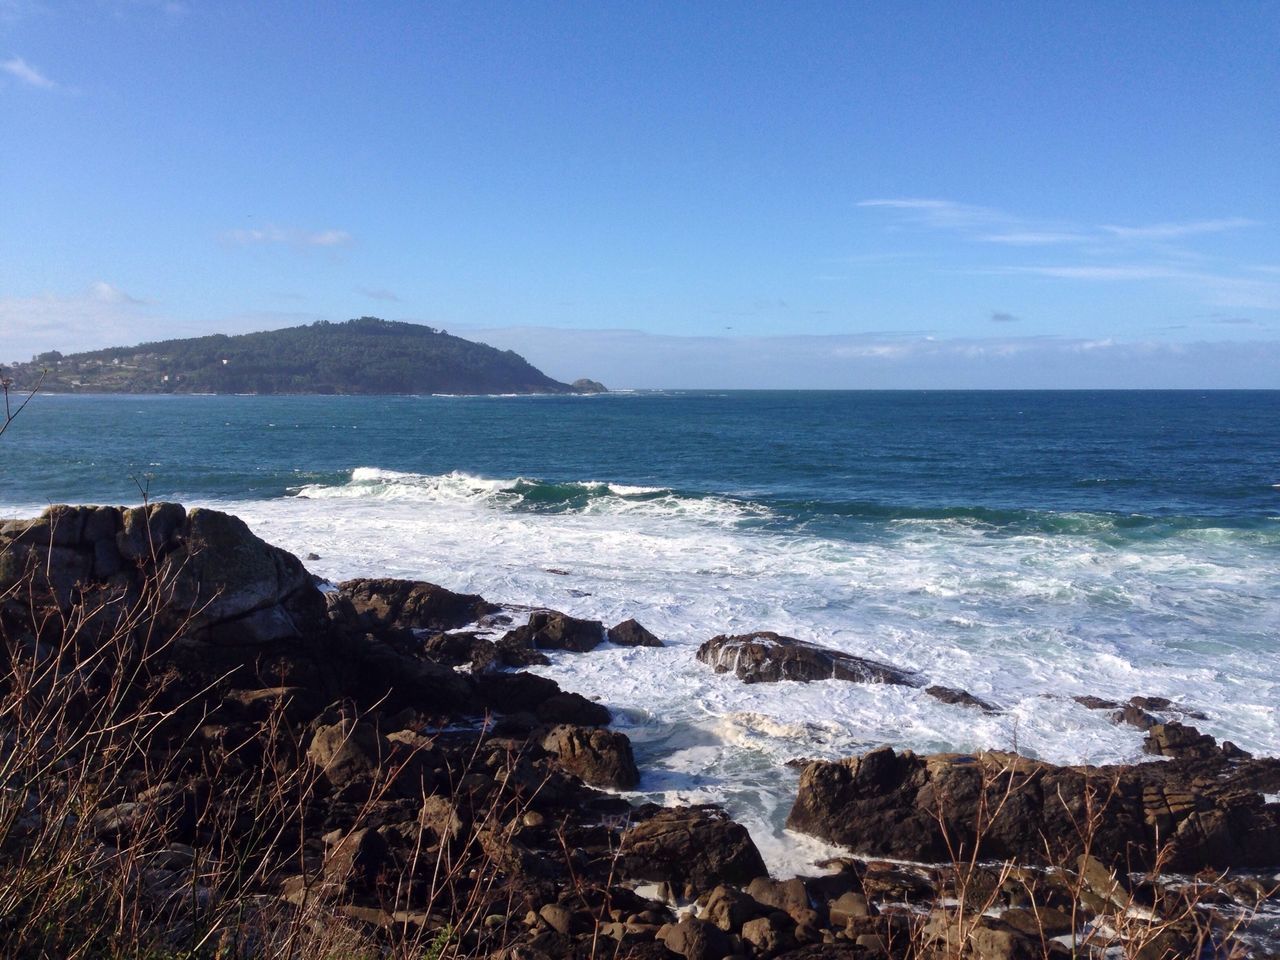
{"x": 832, "y": 459}
{"x": 1027, "y": 547}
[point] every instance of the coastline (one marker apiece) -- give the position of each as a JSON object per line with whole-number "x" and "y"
{"x": 451, "y": 647}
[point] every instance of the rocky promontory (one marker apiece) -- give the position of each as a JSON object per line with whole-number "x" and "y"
{"x": 210, "y": 753}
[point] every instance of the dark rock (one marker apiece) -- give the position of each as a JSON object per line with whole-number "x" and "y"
{"x": 1096, "y": 703}
{"x": 695, "y": 939}
{"x": 729, "y": 908}
{"x": 347, "y": 751}
{"x": 358, "y": 859}
{"x": 629, "y": 633}
{"x": 515, "y": 692}
{"x": 925, "y": 808}
{"x": 573, "y": 708}
{"x": 551, "y": 630}
{"x": 961, "y": 698}
{"x": 849, "y": 906}
{"x": 601, "y": 758}
{"x": 692, "y": 848}
{"x": 769, "y": 935}
{"x": 1175, "y": 740}
{"x": 387, "y": 604}
{"x": 229, "y": 586}
{"x": 586, "y": 385}
{"x": 767, "y": 657}
{"x": 1134, "y": 717}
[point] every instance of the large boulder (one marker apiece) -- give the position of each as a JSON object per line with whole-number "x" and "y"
{"x": 692, "y": 848}
{"x": 237, "y": 587}
{"x": 215, "y": 579}
{"x": 551, "y": 630}
{"x": 927, "y": 808}
{"x": 767, "y": 657}
{"x": 383, "y": 604}
{"x": 630, "y": 633}
{"x": 602, "y": 758}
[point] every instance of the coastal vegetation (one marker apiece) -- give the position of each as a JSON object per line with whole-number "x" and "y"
{"x": 365, "y": 355}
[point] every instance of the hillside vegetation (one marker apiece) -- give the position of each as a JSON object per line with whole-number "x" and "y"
{"x": 365, "y": 355}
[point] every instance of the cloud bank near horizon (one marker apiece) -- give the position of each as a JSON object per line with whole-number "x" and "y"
{"x": 632, "y": 358}
{"x": 105, "y": 315}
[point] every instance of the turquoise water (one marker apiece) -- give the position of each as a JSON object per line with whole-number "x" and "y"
{"x": 1025, "y": 546}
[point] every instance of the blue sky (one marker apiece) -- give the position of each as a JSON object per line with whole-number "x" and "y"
{"x": 711, "y": 194}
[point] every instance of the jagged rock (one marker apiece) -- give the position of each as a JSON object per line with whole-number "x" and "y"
{"x": 789, "y": 896}
{"x": 729, "y": 908}
{"x": 237, "y": 588}
{"x": 1134, "y": 717}
{"x": 692, "y": 848}
{"x": 220, "y": 582}
{"x": 573, "y": 708}
{"x": 767, "y": 657}
{"x": 981, "y": 938}
{"x": 768, "y": 936}
{"x": 358, "y": 859}
{"x": 695, "y": 939}
{"x": 630, "y": 633}
{"x": 849, "y": 906}
{"x": 381, "y": 604}
{"x": 551, "y": 630}
{"x": 961, "y": 698}
{"x": 346, "y": 751}
{"x": 601, "y": 758}
{"x": 1176, "y": 740}
{"x": 924, "y": 808}
{"x": 1090, "y": 702}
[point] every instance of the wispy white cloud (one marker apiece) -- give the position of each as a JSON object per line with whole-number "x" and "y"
{"x": 99, "y": 316}
{"x": 989, "y": 225}
{"x": 944, "y": 214}
{"x": 1033, "y": 238}
{"x": 1218, "y": 289}
{"x": 1173, "y": 231}
{"x": 630, "y": 358}
{"x": 104, "y": 292}
{"x": 292, "y": 236}
{"x": 27, "y": 74}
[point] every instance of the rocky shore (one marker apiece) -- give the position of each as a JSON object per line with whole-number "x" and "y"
{"x": 249, "y": 760}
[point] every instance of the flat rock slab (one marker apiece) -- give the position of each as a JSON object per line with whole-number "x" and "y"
{"x": 768, "y": 657}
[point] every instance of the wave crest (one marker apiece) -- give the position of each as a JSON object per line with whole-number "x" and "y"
{"x": 524, "y": 494}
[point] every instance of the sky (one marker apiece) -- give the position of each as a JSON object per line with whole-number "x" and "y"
{"x": 661, "y": 194}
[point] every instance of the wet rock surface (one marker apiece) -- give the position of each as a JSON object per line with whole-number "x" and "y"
{"x": 768, "y": 657}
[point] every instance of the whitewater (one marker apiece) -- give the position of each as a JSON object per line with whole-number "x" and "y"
{"x": 1021, "y": 568}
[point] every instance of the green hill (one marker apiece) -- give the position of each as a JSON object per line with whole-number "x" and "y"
{"x": 367, "y": 355}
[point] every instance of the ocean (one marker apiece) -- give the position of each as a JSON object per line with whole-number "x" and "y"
{"x": 1025, "y": 546}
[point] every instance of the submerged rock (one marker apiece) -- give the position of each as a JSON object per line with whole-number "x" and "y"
{"x": 961, "y": 698}
{"x": 767, "y": 657}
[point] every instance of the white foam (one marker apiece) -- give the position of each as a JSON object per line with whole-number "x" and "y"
{"x": 1024, "y": 621}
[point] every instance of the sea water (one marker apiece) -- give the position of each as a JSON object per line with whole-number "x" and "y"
{"x": 1025, "y": 546}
